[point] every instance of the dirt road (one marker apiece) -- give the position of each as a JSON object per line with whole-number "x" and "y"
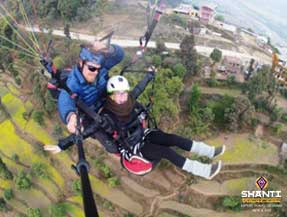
{"x": 206, "y": 51}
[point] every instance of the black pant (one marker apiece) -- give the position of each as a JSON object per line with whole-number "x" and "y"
{"x": 158, "y": 145}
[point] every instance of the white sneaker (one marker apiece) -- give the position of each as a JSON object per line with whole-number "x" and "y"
{"x": 219, "y": 151}
{"x": 215, "y": 169}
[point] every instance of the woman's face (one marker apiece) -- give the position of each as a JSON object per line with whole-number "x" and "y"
{"x": 120, "y": 97}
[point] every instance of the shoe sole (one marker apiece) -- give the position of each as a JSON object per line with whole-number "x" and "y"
{"x": 222, "y": 152}
{"x": 217, "y": 170}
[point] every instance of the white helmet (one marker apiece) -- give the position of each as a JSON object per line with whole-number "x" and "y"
{"x": 117, "y": 83}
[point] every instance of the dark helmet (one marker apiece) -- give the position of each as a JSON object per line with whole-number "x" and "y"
{"x": 89, "y": 56}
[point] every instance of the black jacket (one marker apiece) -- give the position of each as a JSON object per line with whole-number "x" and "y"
{"x": 130, "y": 130}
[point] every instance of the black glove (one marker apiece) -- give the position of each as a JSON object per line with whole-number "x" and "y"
{"x": 66, "y": 142}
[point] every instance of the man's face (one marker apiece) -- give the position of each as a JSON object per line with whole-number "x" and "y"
{"x": 90, "y": 71}
{"x": 120, "y": 97}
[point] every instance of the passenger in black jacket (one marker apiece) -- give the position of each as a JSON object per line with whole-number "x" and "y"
{"x": 126, "y": 115}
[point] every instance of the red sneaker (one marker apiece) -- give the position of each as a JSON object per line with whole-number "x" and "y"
{"x": 137, "y": 165}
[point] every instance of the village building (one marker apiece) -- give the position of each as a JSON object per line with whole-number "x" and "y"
{"x": 207, "y": 13}
{"x": 232, "y": 64}
{"x": 279, "y": 69}
{"x": 187, "y": 10}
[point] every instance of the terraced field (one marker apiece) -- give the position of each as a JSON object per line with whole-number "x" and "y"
{"x": 163, "y": 193}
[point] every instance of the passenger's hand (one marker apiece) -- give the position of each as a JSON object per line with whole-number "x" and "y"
{"x": 72, "y": 123}
{"x": 152, "y": 69}
{"x": 54, "y": 149}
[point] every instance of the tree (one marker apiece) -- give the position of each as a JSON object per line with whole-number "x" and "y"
{"x": 219, "y": 107}
{"x": 38, "y": 117}
{"x": 239, "y": 114}
{"x": 128, "y": 215}
{"x": 57, "y": 131}
{"x": 39, "y": 170}
{"x": 50, "y": 104}
{"x": 156, "y": 60}
{"x": 230, "y": 80}
{"x": 106, "y": 171}
{"x": 67, "y": 31}
{"x": 5, "y": 173}
{"x": 34, "y": 212}
{"x": 216, "y": 55}
{"x": 26, "y": 116}
{"x": 160, "y": 46}
{"x": 169, "y": 62}
{"x": 261, "y": 83}
{"x": 219, "y": 18}
{"x": 37, "y": 90}
{"x": 179, "y": 70}
{"x": 276, "y": 114}
{"x": 45, "y": 9}
{"x": 165, "y": 104}
{"x": 177, "y": 20}
{"x": 8, "y": 194}
{"x": 278, "y": 129}
{"x": 7, "y": 33}
{"x": 18, "y": 80}
{"x": 23, "y": 181}
{"x": 58, "y": 210}
{"x": 233, "y": 203}
{"x": 101, "y": 6}
{"x": 174, "y": 86}
{"x": 113, "y": 181}
{"x": 68, "y": 8}
{"x": 188, "y": 54}
{"x": 3, "y": 205}
{"x": 193, "y": 26}
{"x": 76, "y": 186}
{"x": 193, "y": 102}
{"x": 15, "y": 158}
{"x": 212, "y": 82}
{"x": 250, "y": 69}
{"x": 200, "y": 118}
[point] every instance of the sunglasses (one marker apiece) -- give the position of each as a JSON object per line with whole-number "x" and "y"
{"x": 93, "y": 68}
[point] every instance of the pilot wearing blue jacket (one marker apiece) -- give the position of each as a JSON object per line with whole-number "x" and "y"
{"x": 88, "y": 80}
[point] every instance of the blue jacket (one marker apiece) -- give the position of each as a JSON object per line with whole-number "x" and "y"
{"x": 92, "y": 94}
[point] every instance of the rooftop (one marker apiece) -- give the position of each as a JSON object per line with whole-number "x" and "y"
{"x": 210, "y": 5}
